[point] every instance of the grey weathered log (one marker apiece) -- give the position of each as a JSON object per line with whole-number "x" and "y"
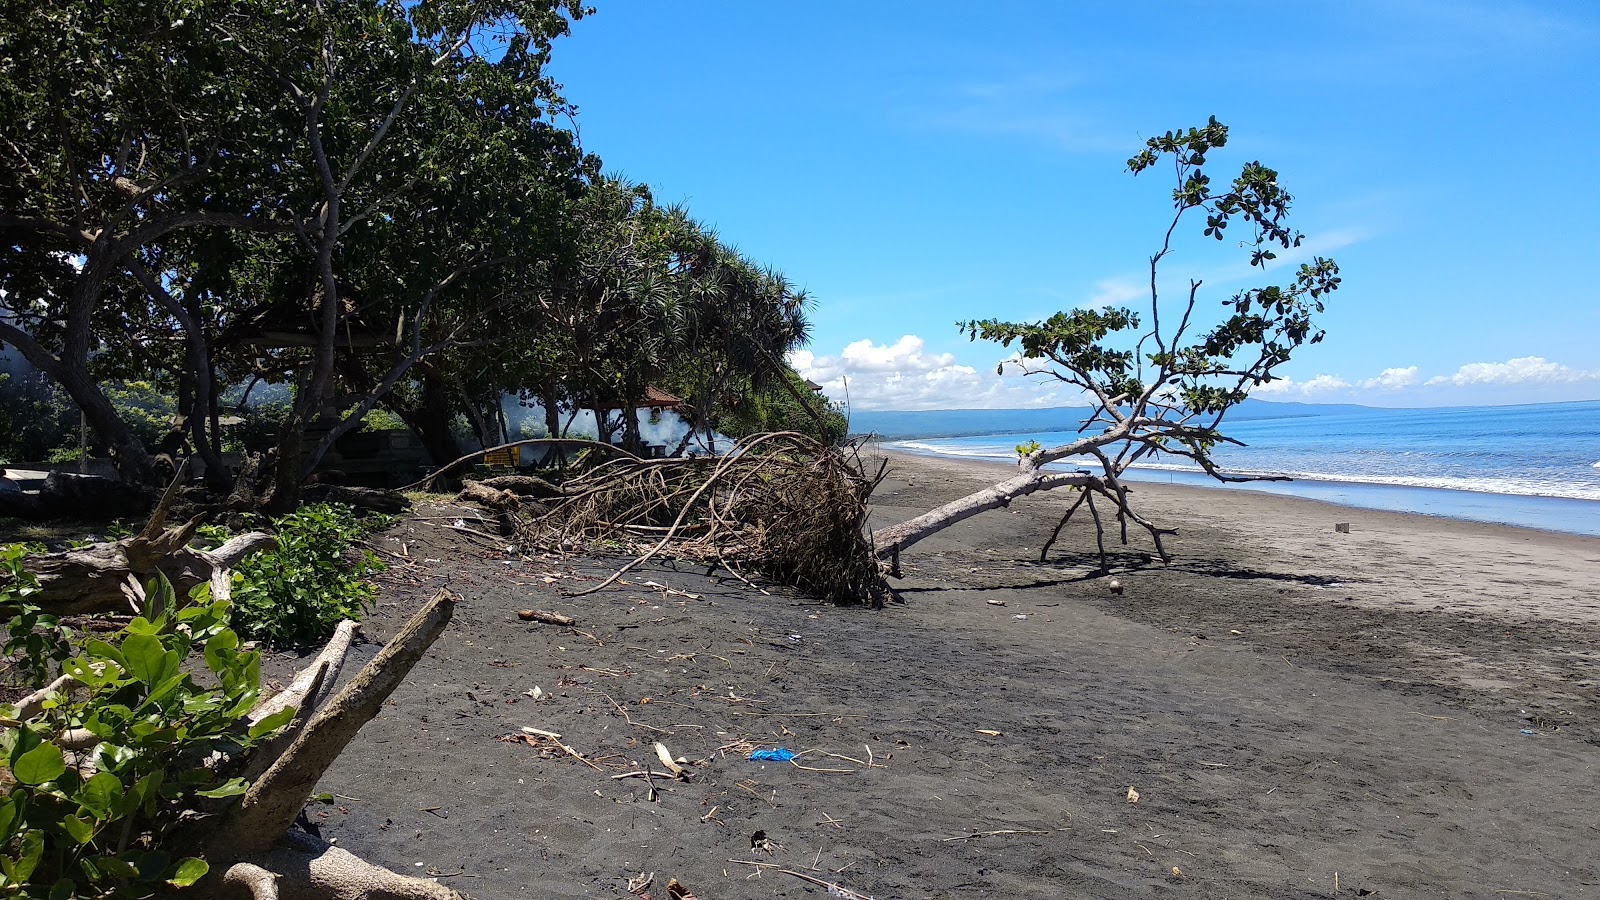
{"x": 92, "y": 579}
{"x": 271, "y": 804}
{"x": 302, "y": 867}
{"x": 501, "y": 501}
{"x": 302, "y": 692}
{"x": 33, "y": 704}
{"x": 375, "y": 499}
{"x": 524, "y": 485}
{"x": 890, "y": 540}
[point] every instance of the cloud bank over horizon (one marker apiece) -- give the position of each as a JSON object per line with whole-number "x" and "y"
{"x": 904, "y": 375}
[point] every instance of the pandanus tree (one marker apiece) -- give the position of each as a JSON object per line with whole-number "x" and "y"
{"x": 1160, "y": 379}
{"x": 745, "y": 320}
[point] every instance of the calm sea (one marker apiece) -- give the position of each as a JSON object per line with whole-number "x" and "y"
{"x": 1536, "y": 466}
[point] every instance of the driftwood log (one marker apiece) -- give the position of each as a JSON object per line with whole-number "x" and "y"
{"x": 109, "y": 577}
{"x": 375, "y": 499}
{"x": 252, "y": 851}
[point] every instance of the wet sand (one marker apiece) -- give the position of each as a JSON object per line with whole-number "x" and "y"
{"x": 1300, "y": 711}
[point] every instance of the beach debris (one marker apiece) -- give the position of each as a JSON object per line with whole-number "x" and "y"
{"x": 995, "y": 833}
{"x": 776, "y": 754}
{"x": 833, "y": 889}
{"x": 536, "y": 694}
{"x": 1177, "y": 872}
{"x": 1133, "y": 795}
{"x": 1234, "y": 631}
{"x": 1021, "y": 617}
{"x": 760, "y": 841}
{"x": 989, "y": 731}
{"x": 995, "y": 602}
{"x": 676, "y": 891}
{"x": 665, "y": 755}
{"x": 670, "y": 592}
{"x": 721, "y": 510}
{"x": 1115, "y": 586}
{"x": 548, "y": 618}
{"x": 641, "y": 884}
{"x": 1342, "y": 527}
{"x": 540, "y": 732}
{"x": 1528, "y": 731}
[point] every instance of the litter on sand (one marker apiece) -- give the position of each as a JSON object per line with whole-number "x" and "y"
{"x": 776, "y": 754}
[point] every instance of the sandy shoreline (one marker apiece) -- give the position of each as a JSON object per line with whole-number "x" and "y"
{"x": 1289, "y": 703}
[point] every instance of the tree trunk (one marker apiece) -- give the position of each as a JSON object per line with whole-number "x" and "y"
{"x": 892, "y": 540}
{"x": 128, "y": 453}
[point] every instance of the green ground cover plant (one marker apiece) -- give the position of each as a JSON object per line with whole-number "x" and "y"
{"x": 317, "y": 576}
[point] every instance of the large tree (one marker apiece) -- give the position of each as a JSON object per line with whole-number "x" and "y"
{"x": 1160, "y": 380}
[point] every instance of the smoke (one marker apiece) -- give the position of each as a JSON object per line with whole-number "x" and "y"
{"x": 663, "y": 427}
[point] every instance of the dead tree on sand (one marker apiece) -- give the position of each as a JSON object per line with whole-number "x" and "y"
{"x": 1156, "y": 387}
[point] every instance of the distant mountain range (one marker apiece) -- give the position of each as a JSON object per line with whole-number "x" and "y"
{"x": 900, "y": 425}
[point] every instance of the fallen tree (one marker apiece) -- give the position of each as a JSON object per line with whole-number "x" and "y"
{"x": 109, "y": 576}
{"x": 1158, "y": 386}
{"x": 780, "y": 504}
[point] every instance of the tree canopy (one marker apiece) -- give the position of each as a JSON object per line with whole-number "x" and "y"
{"x": 374, "y": 204}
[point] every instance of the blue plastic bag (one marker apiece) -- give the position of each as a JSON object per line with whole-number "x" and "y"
{"x": 776, "y": 754}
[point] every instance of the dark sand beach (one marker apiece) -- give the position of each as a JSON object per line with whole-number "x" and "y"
{"x": 1408, "y": 710}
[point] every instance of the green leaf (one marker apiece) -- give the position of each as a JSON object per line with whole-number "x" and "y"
{"x": 189, "y": 871}
{"x": 98, "y": 649}
{"x": 232, "y": 788}
{"x": 28, "y": 858}
{"x": 273, "y": 722}
{"x": 9, "y": 808}
{"x": 39, "y": 765}
{"x": 219, "y": 650}
{"x": 148, "y": 660}
{"x": 100, "y": 794}
{"x": 153, "y": 864}
{"x": 80, "y": 830}
{"x": 64, "y": 889}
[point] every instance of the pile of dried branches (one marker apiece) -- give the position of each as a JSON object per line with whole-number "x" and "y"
{"x": 780, "y": 504}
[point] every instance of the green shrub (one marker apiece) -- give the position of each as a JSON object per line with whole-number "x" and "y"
{"x": 93, "y": 826}
{"x": 316, "y": 577}
{"x": 35, "y": 640}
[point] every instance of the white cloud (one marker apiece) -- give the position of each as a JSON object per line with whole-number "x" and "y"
{"x": 1286, "y": 388}
{"x": 1392, "y": 379}
{"x": 1522, "y": 370}
{"x": 903, "y": 375}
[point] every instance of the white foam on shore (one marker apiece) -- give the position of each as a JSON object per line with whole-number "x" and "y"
{"x": 1512, "y": 486}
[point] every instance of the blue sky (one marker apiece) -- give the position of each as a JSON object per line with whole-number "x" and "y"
{"x": 915, "y": 164}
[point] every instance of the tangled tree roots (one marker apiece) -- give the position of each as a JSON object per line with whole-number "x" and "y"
{"x": 779, "y": 504}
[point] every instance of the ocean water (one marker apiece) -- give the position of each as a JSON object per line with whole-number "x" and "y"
{"x": 1536, "y": 466}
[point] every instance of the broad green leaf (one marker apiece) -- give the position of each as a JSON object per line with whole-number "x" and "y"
{"x": 9, "y": 807}
{"x": 273, "y": 722}
{"x": 189, "y": 871}
{"x": 28, "y": 858}
{"x": 100, "y": 794}
{"x": 39, "y": 765}
{"x": 219, "y": 650}
{"x": 80, "y": 830}
{"x": 148, "y": 660}
{"x": 232, "y": 788}
{"x": 153, "y": 864}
